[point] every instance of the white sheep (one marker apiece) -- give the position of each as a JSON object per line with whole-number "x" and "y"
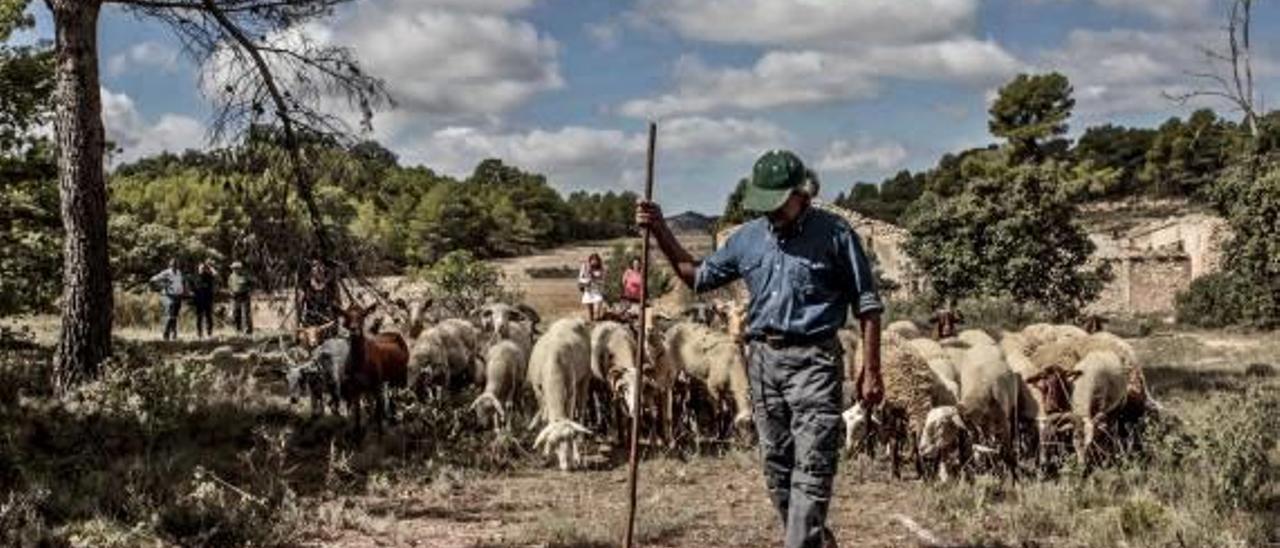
{"x": 715, "y": 359}
{"x": 510, "y": 322}
{"x": 988, "y": 407}
{"x": 468, "y": 337}
{"x": 911, "y": 389}
{"x": 439, "y": 362}
{"x": 1100, "y": 389}
{"x": 559, "y": 372}
{"x": 613, "y": 360}
{"x": 504, "y": 370}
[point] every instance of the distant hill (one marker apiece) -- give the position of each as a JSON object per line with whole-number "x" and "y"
{"x": 691, "y": 221}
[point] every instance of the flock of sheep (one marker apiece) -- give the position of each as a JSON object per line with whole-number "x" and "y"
{"x": 950, "y": 402}
{"x": 961, "y": 397}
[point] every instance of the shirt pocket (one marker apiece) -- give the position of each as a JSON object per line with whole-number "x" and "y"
{"x": 815, "y": 279}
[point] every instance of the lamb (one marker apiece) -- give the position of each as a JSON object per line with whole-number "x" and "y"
{"x": 905, "y": 328}
{"x": 320, "y": 375}
{"x": 988, "y": 408}
{"x": 559, "y": 370}
{"x": 504, "y": 369}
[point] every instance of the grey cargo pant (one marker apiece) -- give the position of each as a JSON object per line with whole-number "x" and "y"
{"x": 796, "y": 393}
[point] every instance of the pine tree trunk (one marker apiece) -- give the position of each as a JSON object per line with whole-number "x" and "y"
{"x": 85, "y": 340}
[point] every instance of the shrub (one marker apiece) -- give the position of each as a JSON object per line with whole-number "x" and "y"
{"x": 1213, "y": 300}
{"x": 563, "y": 272}
{"x": 461, "y": 283}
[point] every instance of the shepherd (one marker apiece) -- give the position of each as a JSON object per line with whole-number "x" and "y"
{"x": 804, "y": 269}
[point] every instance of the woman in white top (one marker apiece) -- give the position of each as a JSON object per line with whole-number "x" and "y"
{"x": 591, "y": 284}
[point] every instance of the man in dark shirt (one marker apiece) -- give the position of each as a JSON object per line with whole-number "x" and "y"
{"x": 804, "y": 269}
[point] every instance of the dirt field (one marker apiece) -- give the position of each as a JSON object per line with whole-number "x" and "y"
{"x": 558, "y": 297}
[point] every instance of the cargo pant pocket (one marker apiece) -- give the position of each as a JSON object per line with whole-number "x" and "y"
{"x": 818, "y": 443}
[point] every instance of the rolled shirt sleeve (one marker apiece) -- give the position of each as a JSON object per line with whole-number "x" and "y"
{"x": 862, "y": 279}
{"x": 718, "y": 269}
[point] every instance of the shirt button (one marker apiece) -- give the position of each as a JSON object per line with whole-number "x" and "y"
{"x": 775, "y": 293}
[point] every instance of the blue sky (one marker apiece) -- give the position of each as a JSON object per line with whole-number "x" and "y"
{"x": 859, "y": 88}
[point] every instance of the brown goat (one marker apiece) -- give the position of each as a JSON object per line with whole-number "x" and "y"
{"x": 375, "y": 363}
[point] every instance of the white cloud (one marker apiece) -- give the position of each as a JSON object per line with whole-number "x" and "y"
{"x": 605, "y": 34}
{"x": 1127, "y": 71}
{"x": 814, "y": 23}
{"x": 576, "y": 157}
{"x": 143, "y": 55}
{"x": 440, "y": 60}
{"x": 137, "y": 138}
{"x": 479, "y": 6}
{"x": 1165, "y": 10}
{"x": 861, "y": 155}
{"x": 808, "y": 77}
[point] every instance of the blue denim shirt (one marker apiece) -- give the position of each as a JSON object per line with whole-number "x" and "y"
{"x": 801, "y": 284}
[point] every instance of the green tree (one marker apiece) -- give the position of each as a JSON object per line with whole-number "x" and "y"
{"x": 1185, "y": 157}
{"x": 1248, "y": 196}
{"x": 30, "y": 228}
{"x": 1031, "y": 110}
{"x": 235, "y": 33}
{"x": 1009, "y": 233}
{"x": 1115, "y": 147}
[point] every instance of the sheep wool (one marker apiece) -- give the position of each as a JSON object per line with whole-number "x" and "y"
{"x": 976, "y": 337}
{"x": 909, "y": 383}
{"x": 904, "y": 328}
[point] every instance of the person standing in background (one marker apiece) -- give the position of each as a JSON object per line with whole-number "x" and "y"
{"x": 170, "y": 284}
{"x": 320, "y": 297}
{"x": 591, "y": 284}
{"x": 632, "y": 284}
{"x": 240, "y": 284}
{"x": 206, "y": 284}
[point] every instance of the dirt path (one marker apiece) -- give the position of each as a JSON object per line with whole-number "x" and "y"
{"x": 707, "y": 501}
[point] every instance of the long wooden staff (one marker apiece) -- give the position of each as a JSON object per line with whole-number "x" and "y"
{"x": 634, "y": 459}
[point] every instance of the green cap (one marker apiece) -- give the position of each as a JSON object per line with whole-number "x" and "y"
{"x": 776, "y": 174}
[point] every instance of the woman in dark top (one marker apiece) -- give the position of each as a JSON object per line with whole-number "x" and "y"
{"x": 206, "y": 283}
